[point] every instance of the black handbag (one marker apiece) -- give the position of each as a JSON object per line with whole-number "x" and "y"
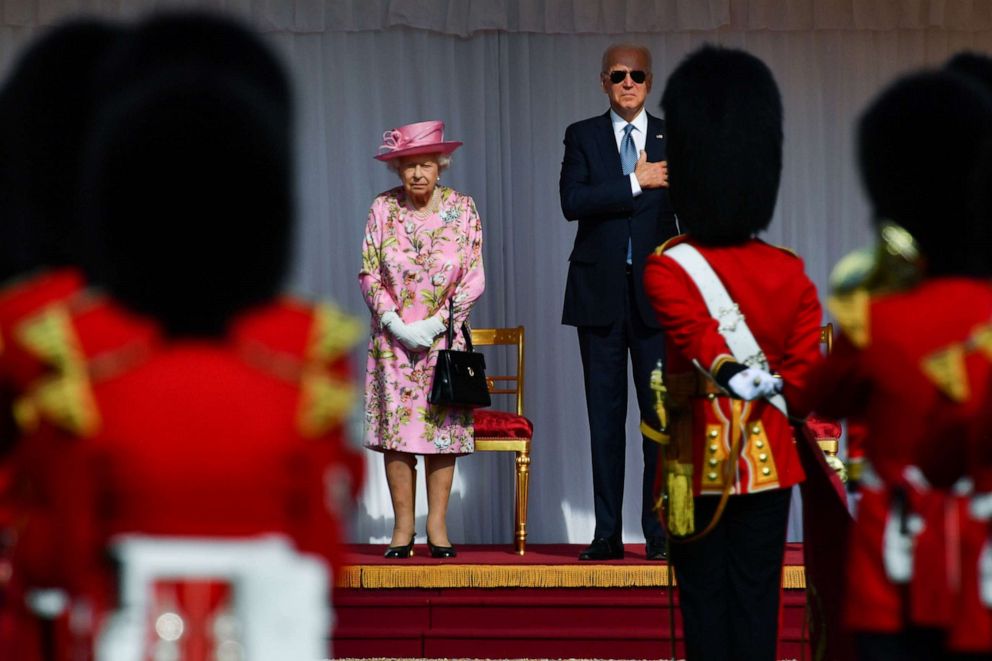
{"x": 459, "y": 376}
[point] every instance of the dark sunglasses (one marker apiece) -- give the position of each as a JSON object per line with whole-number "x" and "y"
{"x": 617, "y": 77}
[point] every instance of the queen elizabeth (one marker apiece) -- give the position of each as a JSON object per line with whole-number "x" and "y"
{"x": 422, "y": 248}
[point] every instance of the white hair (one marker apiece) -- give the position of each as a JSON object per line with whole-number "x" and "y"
{"x": 613, "y": 49}
{"x": 443, "y": 162}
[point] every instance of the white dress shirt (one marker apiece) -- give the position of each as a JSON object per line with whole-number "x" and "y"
{"x": 640, "y": 135}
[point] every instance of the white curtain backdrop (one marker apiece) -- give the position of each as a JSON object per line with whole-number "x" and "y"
{"x": 467, "y": 17}
{"x": 507, "y": 77}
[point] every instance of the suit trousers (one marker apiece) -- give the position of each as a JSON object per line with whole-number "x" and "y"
{"x": 730, "y": 580}
{"x": 604, "y": 351}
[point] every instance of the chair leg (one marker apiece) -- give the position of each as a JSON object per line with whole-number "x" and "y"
{"x": 523, "y": 485}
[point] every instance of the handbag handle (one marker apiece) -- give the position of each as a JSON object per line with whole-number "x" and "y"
{"x": 451, "y": 322}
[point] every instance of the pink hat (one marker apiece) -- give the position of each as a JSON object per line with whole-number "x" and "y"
{"x": 412, "y": 139}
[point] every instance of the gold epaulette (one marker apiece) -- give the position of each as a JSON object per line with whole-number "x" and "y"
{"x": 326, "y": 399}
{"x": 332, "y": 334}
{"x": 64, "y": 396}
{"x": 325, "y": 402}
{"x": 50, "y": 337}
{"x": 65, "y": 400}
{"x": 946, "y": 368}
{"x": 678, "y": 238}
{"x": 981, "y": 338}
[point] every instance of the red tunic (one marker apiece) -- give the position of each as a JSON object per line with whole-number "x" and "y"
{"x": 187, "y": 438}
{"x": 19, "y": 299}
{"x": 783, "y": 312}
{"x": 893, "y": 372}
{"x": 971, "y": 620}
{"x": 964, "y": 457}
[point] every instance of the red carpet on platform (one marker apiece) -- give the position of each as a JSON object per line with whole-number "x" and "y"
{"x": 491, "y": 603}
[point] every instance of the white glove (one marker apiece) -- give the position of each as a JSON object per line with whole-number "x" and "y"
{"x": 754, "y": 383}
{"x": 409, "y": 338}
{"x": 426, "y": 330}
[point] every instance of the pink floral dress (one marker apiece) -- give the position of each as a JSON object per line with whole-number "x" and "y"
{"x": 413, "y": 263}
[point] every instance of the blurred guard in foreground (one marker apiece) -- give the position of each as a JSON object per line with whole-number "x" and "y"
{"x": 741, "y": 322}
{"x": 911, "y": 362}
{"x": 45, "y": 107}
{"x": 190, "y": 424}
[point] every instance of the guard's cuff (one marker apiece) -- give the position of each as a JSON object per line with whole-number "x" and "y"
{"x": 720, "y": 360}
{"x": 727, "y": 370}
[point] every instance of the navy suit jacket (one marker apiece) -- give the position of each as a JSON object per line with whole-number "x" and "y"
{"x": 595, "y": 192}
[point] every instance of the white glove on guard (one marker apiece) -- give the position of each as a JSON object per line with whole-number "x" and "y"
{"x": 754, "y": 383}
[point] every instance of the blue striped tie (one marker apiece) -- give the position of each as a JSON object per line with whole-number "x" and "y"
{"x": 628, "y": 160}
{"x": 628, "y": 152}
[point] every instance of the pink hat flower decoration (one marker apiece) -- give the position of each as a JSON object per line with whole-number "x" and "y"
{"x": 414, "y": 139}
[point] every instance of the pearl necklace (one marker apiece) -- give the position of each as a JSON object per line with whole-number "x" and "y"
{"x": 432, "y": 205}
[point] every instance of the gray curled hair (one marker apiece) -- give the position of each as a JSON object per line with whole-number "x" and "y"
{"x": 443, "y": 162}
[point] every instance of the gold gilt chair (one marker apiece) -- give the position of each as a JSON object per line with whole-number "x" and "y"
{"x": 505, "y": 431}
{"x": 827, "y": 433}
{"x": 827, "y": 337}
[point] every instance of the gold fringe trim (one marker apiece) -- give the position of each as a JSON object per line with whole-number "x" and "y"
{"x": 376, "y": 577}
{"x": 794, "y": 577}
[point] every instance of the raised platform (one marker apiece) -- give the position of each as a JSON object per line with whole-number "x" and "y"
{"x": 491, "y": 603}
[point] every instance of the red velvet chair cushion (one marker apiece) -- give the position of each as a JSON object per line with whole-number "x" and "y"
{"x": 823, "y": 428}
{"x": 500, "y": 424}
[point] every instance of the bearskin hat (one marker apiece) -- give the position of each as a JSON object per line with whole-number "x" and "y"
{"x": 723, "y": 115}
{"x": 919, "y": 144}
{"x": 190, "y": 183}
{"x": 976, "y": 65}
{"x": 199, "y": 40}
{"x": 45, "y": 109}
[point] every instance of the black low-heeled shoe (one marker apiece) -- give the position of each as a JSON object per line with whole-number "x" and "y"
{"x": 405, "y": 551}
{"x": 441, "y": 551}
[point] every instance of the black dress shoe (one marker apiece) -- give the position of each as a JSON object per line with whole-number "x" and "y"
{"x": 603, "y": 548}
{"x": 400, "y": 551}
{"x": 654, "y": 549}
{"x": 441, "y": 551}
